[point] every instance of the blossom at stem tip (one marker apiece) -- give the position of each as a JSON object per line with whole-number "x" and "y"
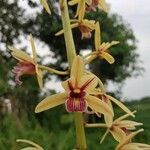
{"x": 85, "y": 26}
{"x": 76, "y": 96}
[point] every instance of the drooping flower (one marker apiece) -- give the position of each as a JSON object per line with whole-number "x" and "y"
{"x": 33, "y": 146}
{"x": 76, "y": 96}
{"x": 126, "y": 143}
{"x": 101, "y": 49}
{"x": 46, "y": 6}
{"x": 120, "y": 128}
{"x": 27, "y": 65}
{"x": 85, "y": 26}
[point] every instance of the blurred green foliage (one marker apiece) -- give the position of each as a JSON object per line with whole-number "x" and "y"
{"x": 59, "y": 134}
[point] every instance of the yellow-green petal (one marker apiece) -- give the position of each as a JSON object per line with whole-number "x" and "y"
{"x": 59, "y": 32}
{"x": 124, "y": 116}
{"x": 136, "y": 146}
{"x": 141, "y": 145}
{"x": 97, "y": 36}
{"x": 80, "y": 10}
{"x": 84, "y": 79}
{"x": 99, "y": 106}
{"x": 89, "y": 2}
{"x": 46, "y": 6}
{"x": 39, "y": 76}
{"x": 128, "y": 124}
{"x": 29, "y": 148}
{"x": 108, "y": 45}
{"x": 77, "y": 69}
{"x": 108, "y": 57}
{"x": 74, "y": 25}
{"x": 118, "y": 133}
{"x": 121, "y": 105}
{"x": 128, "y": 138}
{"x": 103, "y": 5}
{"x": 89, "y": 23}
{"x": 20, "y": 55}
{"x": 104, "y": 136}
{"x": 130, "y": 146}
{"x": 73, "y": 2}
{"x": 36, "y": 146}
{"x": 90, "y": 59}
{"x": 33, "y": 48}
{"x": 108, "y": 119}
{"x": 51, "y": 101}
{"x": 65, "y": 83}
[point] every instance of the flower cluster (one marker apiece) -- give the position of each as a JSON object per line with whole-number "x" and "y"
{"x": 83, "y": 91}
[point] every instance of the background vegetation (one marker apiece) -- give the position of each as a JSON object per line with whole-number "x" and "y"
{"x": 59, "y": 134}
{"x": 54, "y": 129}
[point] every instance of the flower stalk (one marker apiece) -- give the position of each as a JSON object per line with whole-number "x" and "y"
{"x": 51, "y": 70}
{"x": 71, "y": 53}
{"x": 70, "y": 48}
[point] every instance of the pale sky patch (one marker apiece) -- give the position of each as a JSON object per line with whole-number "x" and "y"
{"x": 136, "y": 13}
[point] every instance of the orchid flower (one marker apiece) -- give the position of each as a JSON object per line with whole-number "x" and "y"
{"x": 120, "y": 128}
{"x": 76, "y": 96}
{"x": 27, "y": 65}
{"x": 85, "y": 26}
{"x": 101, "y": 49}
{"x": 126, "y": 143}
{"x": 103, "y": 96}
{"x": 33, "y": 146}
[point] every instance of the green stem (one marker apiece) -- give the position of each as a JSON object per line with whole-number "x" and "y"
{"x": 71, "y": 53}
{"x": 94, "y": 125}
{"x": 80, "y": 133}
{"x": 51, "y": 70}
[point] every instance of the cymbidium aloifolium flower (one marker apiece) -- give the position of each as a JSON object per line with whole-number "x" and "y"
{"x": 127, "y": 144}
{"x": 121, "y": 128}
{"x": 101, "y": 49}
{"x": 88, "y": 5}
{"x": 27, "y": 65}
{"x": 103, "y": 96}
{"x": 76, "y": 96}
{"x": 85, "y": 26}
{"x": 33, "y": 146}
{"x": 46, "y": 6}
